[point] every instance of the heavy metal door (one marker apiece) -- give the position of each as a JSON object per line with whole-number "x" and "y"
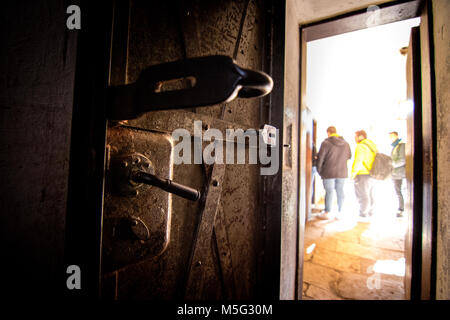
{"x": 162, "y": 246}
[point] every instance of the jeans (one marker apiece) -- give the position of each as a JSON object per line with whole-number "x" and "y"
{"x": 330, "y": 185}
{"x": 398, "y": 191}
{"x": 364, "y": 194}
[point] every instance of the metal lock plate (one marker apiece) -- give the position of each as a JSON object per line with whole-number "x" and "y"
{"x": 136, "y": 217}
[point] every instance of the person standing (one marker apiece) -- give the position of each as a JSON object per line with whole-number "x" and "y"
{"x": 398, "y": 169}
{"x": 332, "y": 167}
{"x": 364, "y": 156}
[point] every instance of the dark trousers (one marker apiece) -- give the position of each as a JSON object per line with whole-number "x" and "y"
{"x": 364, "y": 194}
{"x": 398, "y": 190}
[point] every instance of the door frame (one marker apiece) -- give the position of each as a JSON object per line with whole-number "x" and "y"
{"x": 84, "y": 212}
{"x": 424, "y": 232}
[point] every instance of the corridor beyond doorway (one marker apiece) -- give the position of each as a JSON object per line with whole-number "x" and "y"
{"x": 357, "y": 81}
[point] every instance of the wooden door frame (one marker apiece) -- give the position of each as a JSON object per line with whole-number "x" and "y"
{"x": 425, "y": 230}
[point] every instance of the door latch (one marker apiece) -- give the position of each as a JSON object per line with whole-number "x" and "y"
{"x": 210, "y": 80}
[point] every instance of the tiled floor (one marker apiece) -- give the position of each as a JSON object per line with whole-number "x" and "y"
{"x": 354, "y": 260}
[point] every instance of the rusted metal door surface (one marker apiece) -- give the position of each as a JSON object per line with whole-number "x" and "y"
{"x": 161, "y": 246}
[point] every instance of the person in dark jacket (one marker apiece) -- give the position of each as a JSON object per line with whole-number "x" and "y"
{"x": 398, "y": 169}
{"x": 332, "y": 167}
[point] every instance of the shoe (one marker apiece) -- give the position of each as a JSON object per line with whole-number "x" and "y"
{"x": 399, "y": 214}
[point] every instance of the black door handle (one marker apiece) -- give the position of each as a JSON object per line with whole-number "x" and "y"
{"x": 213, "y": 80}
{"x": 166, "y": 184}
{"x": 128, "y": 172}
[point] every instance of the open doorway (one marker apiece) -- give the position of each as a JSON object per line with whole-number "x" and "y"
{"x": 357, "y": 81}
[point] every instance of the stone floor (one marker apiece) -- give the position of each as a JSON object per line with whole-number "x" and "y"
{"x": 347, "y": 259}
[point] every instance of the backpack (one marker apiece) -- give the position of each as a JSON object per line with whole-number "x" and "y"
{"x": 381, "y": 167}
